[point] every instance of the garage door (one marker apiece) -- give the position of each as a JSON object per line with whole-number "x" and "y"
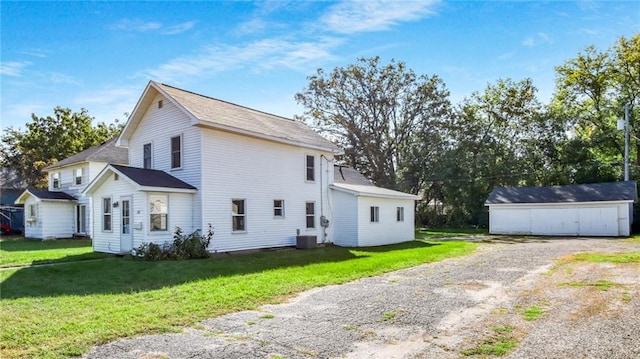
{"x": 554, "y": 221}
{"x": 598, "y": 221}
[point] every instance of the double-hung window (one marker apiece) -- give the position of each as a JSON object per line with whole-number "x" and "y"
{"x": 158, "y": 209}
{"x": 146, "y": 155}
{"x": 311, "y": 214}
{"x": 278, "y": 208}
{"x": 310, "y": 165}
{"x": 238, "y": 215}
{"x": 77, "y": 176}
{"x": 375, "y": 214}
{"x": 400, "y": 214}
{"x": 176, "y": 152}
{"x": 106, "y": 214}
{"x": 55, "y": 178}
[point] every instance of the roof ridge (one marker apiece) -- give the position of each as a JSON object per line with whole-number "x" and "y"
{"x": 228, "y": 102}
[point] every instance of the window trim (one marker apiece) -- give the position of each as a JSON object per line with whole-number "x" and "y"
{"x": 399, "y": 214}
{"x": 56, "y": 180}
{"x": 180, "y": 151}
{"x": 306, "y": 168}
{"x": 75, "y": 176}
{"x": 307, "y": 214}
{"x": 374, "y": 214}
{"x": 165, "y": 213}
{"x": 150, "y": 144}
{"x": 243, "y": 215}
{"x": 281, "y": 208}
{"x": 107, "y": 211}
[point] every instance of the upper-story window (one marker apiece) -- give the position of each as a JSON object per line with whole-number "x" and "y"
{"x": 55, "y": 179}
{"x": 311, "y": 168}
{"x": 77, "y": 176}
{"x": 176, "y": 152}
{"x": 146, "y": 155}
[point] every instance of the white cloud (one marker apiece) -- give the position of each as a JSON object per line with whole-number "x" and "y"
{"x": 537, "y": 40}
{"x": 365, "y": 16}
{"x": 177, "y": 29}
{"x": 137, "y": 25}
{"x": 13, "y": 68}
{"x": 35, "y": 53}
{"x": 257, "y": 56}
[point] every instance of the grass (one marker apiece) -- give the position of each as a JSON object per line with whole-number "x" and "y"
{"x": 532, "y": 313}
{"x": 21, "y": 252}
{"x": 62, "y": 310}
{"x": 628, "y": 257}
{"x": 434, "y": 233}
{"x": 602, "y": 285}
{"x": 497, "y": 345}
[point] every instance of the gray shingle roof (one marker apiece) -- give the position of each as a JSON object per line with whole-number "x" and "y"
{"x": 106, "y": 152}
{"x": 349, "y": 175}
{"x": 51, "y": 195}
{"x": 596, "y": 192}
{"x": 245, "y": 120}
{"x": 152, "y": 178}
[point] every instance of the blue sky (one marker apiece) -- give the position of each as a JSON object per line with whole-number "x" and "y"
{"x": 100, "y": 55}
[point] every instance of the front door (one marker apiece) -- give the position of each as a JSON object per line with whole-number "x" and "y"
{"x": 81, "y": 219}
{"x": 125, "y": 225}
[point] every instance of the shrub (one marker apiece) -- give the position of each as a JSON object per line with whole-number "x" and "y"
{"x": 187, "y": 246}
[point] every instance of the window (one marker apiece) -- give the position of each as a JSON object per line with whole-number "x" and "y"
{"x": 33, "y": 211}
{"x": 106, "y": 214}
{"x": 278, "y": 208}
{"x": 238, "y": 215}
{"x": 176, "y": 152}
{"x": 400, "y": 214}
{"x": 160, "y": 104}
{"x": 311, "y": 165}
{"x": 56, "y": 180}
{"x": 375, "y": 214}
{"x": 158, "y": 212}
{"x": 146, "y": 155}
{"x": 77, "y": 176}
{"x": 116, "y": 177}
{"x": 311, "y": 214}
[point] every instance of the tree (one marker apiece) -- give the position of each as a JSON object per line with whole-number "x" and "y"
{"x": 373, "y": 111}
{"x": 48, "y": 140}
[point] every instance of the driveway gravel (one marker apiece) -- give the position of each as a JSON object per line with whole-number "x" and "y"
{"x": 445, "y": 310}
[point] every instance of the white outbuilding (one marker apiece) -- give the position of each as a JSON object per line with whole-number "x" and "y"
{"x": 599, "y": 209}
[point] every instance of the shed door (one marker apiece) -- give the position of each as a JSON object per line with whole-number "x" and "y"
{"x": 601, "y": 221}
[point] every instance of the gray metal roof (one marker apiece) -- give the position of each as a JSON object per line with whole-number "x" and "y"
{"x": 245, "y": 120}
{"x": 596, "y": 192}
{"x": 371, "y": 191}
{"x": 105, "y": 152}
{"x": 152, "y": 178}
{"x": 349, "y": 175}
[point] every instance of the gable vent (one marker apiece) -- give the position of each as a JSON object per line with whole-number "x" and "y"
{"x": 160, "y": 104}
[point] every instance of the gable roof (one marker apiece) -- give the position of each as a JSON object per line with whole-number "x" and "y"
{"x": 104, "y": 152}
{"x": 45, "y": 195}
{"x": 371, "y": 191}
{"x": 143, "y": 179}
{"x": 349, "y": 175}
{"x": 595, "y": 192}
{"x": 225, "y": 116}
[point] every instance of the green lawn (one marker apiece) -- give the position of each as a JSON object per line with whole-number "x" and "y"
{"x": 434, "y": 233}
{"x": 62, "y": 310}
{"x": 21, "y": 252}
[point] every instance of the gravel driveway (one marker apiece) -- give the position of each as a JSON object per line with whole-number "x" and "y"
{"x": 448, "y": 309}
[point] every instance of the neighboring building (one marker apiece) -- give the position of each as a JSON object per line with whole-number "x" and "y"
{"x": 600, "y": 209}
{"x": 258, "y": 179}
{"x": 11, "y": 216}
{"x": 61, "y": 211}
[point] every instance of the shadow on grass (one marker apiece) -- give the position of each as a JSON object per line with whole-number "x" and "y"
{"x": 22, "y": 244}
{"x": 125, "y": 275}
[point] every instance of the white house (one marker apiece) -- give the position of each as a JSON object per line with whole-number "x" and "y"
{"x": 600, "y": 209}
{"x": 258, "y": 179}
{"x": 61, "y": 211}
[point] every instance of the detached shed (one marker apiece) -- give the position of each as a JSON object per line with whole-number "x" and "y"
{"x": 599, "y": 209}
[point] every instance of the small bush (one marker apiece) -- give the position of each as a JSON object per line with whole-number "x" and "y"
{"x": 188, "y": 246}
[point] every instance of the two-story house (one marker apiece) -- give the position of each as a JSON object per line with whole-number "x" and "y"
{"x": 258, "y": 179}
{"x": 61, "y": 211}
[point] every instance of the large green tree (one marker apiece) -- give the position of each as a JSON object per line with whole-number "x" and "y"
{"x": 374, "y": 111}
{"x": 47, "y": 140}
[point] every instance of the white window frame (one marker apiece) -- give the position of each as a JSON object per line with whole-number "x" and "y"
{"x": 56, "y": 180}
{"x": 374, "y": 214}
{"x": 181, "y": 152}
{"x": 107, "y": 211}
{"x": 277, "y": 208}
{"x": 76, "y": 177}
{"x": 32, "y": 213}
{"x": 154, "y": 211}
{"x": 312, "y": 215}
{"x": 306, "y": 168}
{"x": 235, "y": 214}
{"x": 150, "y": 144}
{"x": 400, "y": 214}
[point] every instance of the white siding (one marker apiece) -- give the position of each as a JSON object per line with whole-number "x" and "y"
{"x": 388, "y": 230}
{"x": 32, "y": 229}
{"x": 58, "y": 219}
{"x": 259, "y": 171}
{"x": 510, "y": 221}
{"x": 345, "y": 219}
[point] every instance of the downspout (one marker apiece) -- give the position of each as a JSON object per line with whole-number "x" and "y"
{"x": 323, "y": 221}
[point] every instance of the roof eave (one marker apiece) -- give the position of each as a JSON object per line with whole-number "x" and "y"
{"x": 167, "y": 189}
{"x": 373, "y": 194}
{"x": 558, "y": 203}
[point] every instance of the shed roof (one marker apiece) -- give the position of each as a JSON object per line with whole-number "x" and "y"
{"x": 105, "y": 152}
{"x": 45, "y": 195}
{"x": 146, "y": 177}
{"x": 595, "y": 192}
{"x": 349, "y": 175}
